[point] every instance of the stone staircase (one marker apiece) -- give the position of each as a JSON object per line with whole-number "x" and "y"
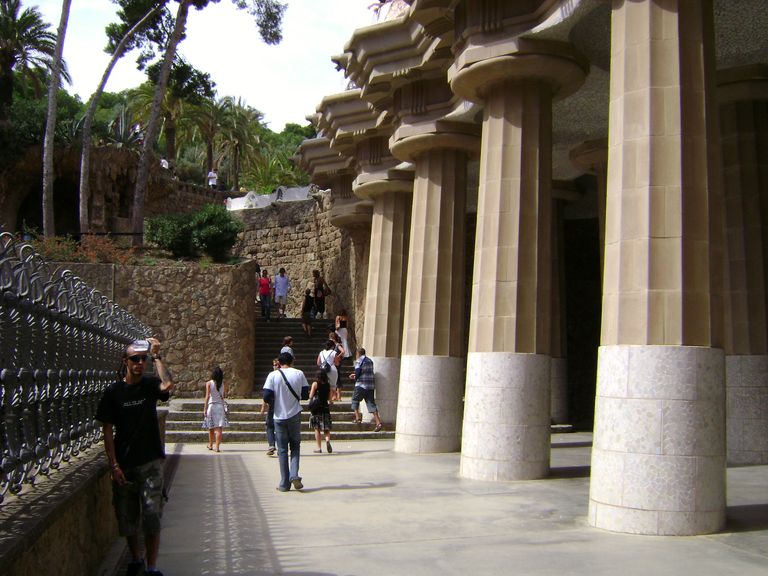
{"x": 185, "y": 415}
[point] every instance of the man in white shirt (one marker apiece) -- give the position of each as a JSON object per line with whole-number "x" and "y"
{"x": 283, "y": 389}
{"x": 282, "y": 286}
{"x": 213, "y": 179}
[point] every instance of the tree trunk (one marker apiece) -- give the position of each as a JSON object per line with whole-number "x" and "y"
{"x": 85, "y": 159}
{"x": 150, "y": 132}
{"x": 6, "y": 95}
{"x": 209, "y": 155}
{"x": 170, "y": 139}
{"x": 50, "y": 124}
{"x": 236, "y": 168}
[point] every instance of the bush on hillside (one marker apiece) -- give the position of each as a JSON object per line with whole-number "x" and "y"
{"x": 211, "y": 231}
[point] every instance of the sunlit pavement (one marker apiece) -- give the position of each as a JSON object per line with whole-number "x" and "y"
{"x": 366, "y": 510}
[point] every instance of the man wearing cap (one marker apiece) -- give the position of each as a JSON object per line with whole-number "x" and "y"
{"x": 283, "y": 389}
{"x": 128, "y": 413}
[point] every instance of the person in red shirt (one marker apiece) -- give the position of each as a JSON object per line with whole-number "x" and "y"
{"x": 265, "y": 294}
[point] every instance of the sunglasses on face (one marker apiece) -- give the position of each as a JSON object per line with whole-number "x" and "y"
{"x": 136, "y": 358}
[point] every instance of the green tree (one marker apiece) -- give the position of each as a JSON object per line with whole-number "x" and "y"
{"x": 27, "y": 48}
{"x": 239, "y": 137}
{"x": 268, "y": 15}
{"x": 205, "y": 123}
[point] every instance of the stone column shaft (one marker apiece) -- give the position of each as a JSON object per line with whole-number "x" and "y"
{"x": 559, "y": 366}
{"x": 658, "y": 460}
{"x": 507, "y": 413}
{"x": 384, "y": 305}
{"x": 744, "y": 128}
{"x": 432, "y": 367}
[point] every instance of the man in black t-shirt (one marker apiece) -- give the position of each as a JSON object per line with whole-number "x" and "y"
{"x": 128, "y": 413}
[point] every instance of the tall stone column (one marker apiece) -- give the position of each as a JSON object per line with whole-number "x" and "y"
{"x": 385, "y": 295}
{"x": 592, "y": 156}
{"x": 558, "y": 377}
{"x": 506, "y": 433}
{"x": 743, "y": 98}
{"x": 658, "y": 459}
{"x": 432, "y": 367}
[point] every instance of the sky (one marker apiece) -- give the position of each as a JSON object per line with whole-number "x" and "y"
{"x": 285, "y": 82}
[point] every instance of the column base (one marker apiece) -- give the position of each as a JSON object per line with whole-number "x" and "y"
{"x": 387, "y": 384}
{"x": 658, "y": 456}
{"x": 746, "y": 381}
{"x": 429, "y": 408}
{"x": 506, "y": 432}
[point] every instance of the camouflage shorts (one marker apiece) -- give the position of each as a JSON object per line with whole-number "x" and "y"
{"x": 139, "y": 502}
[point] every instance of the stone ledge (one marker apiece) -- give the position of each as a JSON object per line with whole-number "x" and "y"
{"x": 66, "y": 520}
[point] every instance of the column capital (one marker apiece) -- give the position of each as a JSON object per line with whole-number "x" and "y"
{"x": 742, "y": 83}
{"x": 557, "y": 64}
{"x": 590, "y": 156}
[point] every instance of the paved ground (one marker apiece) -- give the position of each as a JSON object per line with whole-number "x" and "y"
{"x": 368, "y": 511}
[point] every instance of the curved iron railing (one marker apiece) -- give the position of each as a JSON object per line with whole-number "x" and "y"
{"x": 60, "y": 345}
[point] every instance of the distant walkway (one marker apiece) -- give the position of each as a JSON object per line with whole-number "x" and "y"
{"x": 369, "y": 511}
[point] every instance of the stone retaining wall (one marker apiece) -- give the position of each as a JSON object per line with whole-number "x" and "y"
{"x": 204, "y": 314}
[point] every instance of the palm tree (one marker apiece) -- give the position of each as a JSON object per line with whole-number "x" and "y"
{"x": 239, "y": 136}
{"x": 27, "y": 48}
{"x": 205, "y": 122}
{"x": 172, "y": 109}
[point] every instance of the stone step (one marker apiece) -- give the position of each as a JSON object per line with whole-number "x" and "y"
{"x": 236, "y": 407}
{"x": 260, "y": 426}
{"x": 201, "y": 436}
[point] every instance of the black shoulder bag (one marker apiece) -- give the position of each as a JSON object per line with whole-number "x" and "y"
{"x": 292, "y": 391}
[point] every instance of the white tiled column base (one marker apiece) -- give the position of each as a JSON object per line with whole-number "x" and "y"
{"x": 387, "y": 379}
{"x": 429, "y": 404}
{"x": 559, "y": 390}
{"x": 658, "y": 460}
{"x": 746, "y": 379}
{"x": 506, "y": 432}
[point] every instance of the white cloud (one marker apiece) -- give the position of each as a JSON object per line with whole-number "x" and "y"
{"x": 285, "y": 82}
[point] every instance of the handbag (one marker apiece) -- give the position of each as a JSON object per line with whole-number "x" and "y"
{"x": 326, "y": 366}
{"x": 314, "y": 404}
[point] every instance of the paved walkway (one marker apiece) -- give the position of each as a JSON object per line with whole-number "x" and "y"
{"x": 368, "y": 511}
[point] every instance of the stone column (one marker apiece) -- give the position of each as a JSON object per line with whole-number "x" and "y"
{"x": 384, "y": 303}
{"x": 743, "y": 98}
{"x": 592, "y": 156}
{"x": 658, "y": 459}
{"x": 432, "y": 367}
{"x": 506, "y": 433}
{"x": 558, "y": 378}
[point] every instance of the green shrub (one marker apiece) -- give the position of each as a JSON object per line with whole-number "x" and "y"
{"x": 214, "y": 231}
{"x": 211, "y": 231}
{"x": 171, "y": 232}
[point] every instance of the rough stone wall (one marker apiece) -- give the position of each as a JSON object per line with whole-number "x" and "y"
{"x": 64, "y": 525}
{"x": 202, "y": 315}
{"x": 205, "y": 315}
{"x": 299, "y": 237}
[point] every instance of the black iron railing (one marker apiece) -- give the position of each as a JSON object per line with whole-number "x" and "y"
{"x": 60, "y": 346}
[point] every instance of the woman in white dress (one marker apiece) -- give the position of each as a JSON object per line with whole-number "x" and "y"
{"x": 215, "y": 415}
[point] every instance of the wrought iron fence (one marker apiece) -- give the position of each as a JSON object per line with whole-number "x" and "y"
{"x": 60, "y": 346}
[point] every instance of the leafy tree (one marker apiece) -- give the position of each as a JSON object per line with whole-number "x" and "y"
{"x": 239, "y": 137}
{"x": 85, "y": 160}
{"x": 27, "y": 48}
{"x": 205, "y": 121}
{"x": 268, "y": 15}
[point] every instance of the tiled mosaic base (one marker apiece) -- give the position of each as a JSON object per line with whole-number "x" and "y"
{"x": 429, "y": 404}
{"x": 658, "y": 460}
{"x": 507, "y": 417}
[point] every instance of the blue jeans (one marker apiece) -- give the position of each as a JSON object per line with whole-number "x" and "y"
{"x": 271, "y": 427}
{"x": 288, "y": 433}
{"x": 266, "y": 306}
